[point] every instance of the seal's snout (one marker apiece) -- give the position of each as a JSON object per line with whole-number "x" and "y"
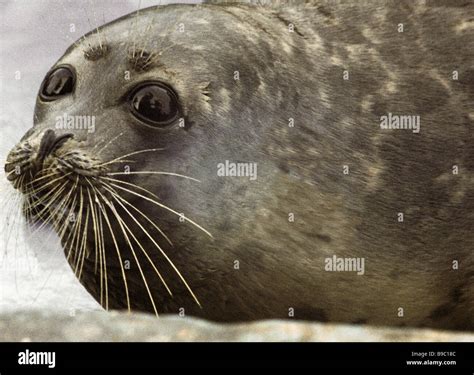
{"x": 28, "y": 157}
{"x": 49, "y": 168}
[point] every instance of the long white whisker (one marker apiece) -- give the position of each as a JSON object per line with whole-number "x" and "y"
{"x": 131, "y": 154}
{"x": 164, "y": 207}
{"x": 157, "y": 246}
{"x": 152, "y": 173}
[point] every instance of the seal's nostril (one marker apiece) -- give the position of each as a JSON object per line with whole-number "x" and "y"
{"x": 45, "y": 145}
{"x": 49, "y": 143}
{"x": 60, "y": 141}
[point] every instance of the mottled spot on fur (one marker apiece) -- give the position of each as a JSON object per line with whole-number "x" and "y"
{"x": 323, "y": 237}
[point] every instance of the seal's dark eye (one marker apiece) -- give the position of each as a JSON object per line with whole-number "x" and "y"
{"x": 58, "y": 83}
{"x": 155, "y": 104}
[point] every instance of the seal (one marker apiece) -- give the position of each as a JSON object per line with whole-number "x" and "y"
{"x": 240, "y": 162}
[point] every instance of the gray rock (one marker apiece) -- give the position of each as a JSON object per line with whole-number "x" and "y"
{"x": 117, "y": 326}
